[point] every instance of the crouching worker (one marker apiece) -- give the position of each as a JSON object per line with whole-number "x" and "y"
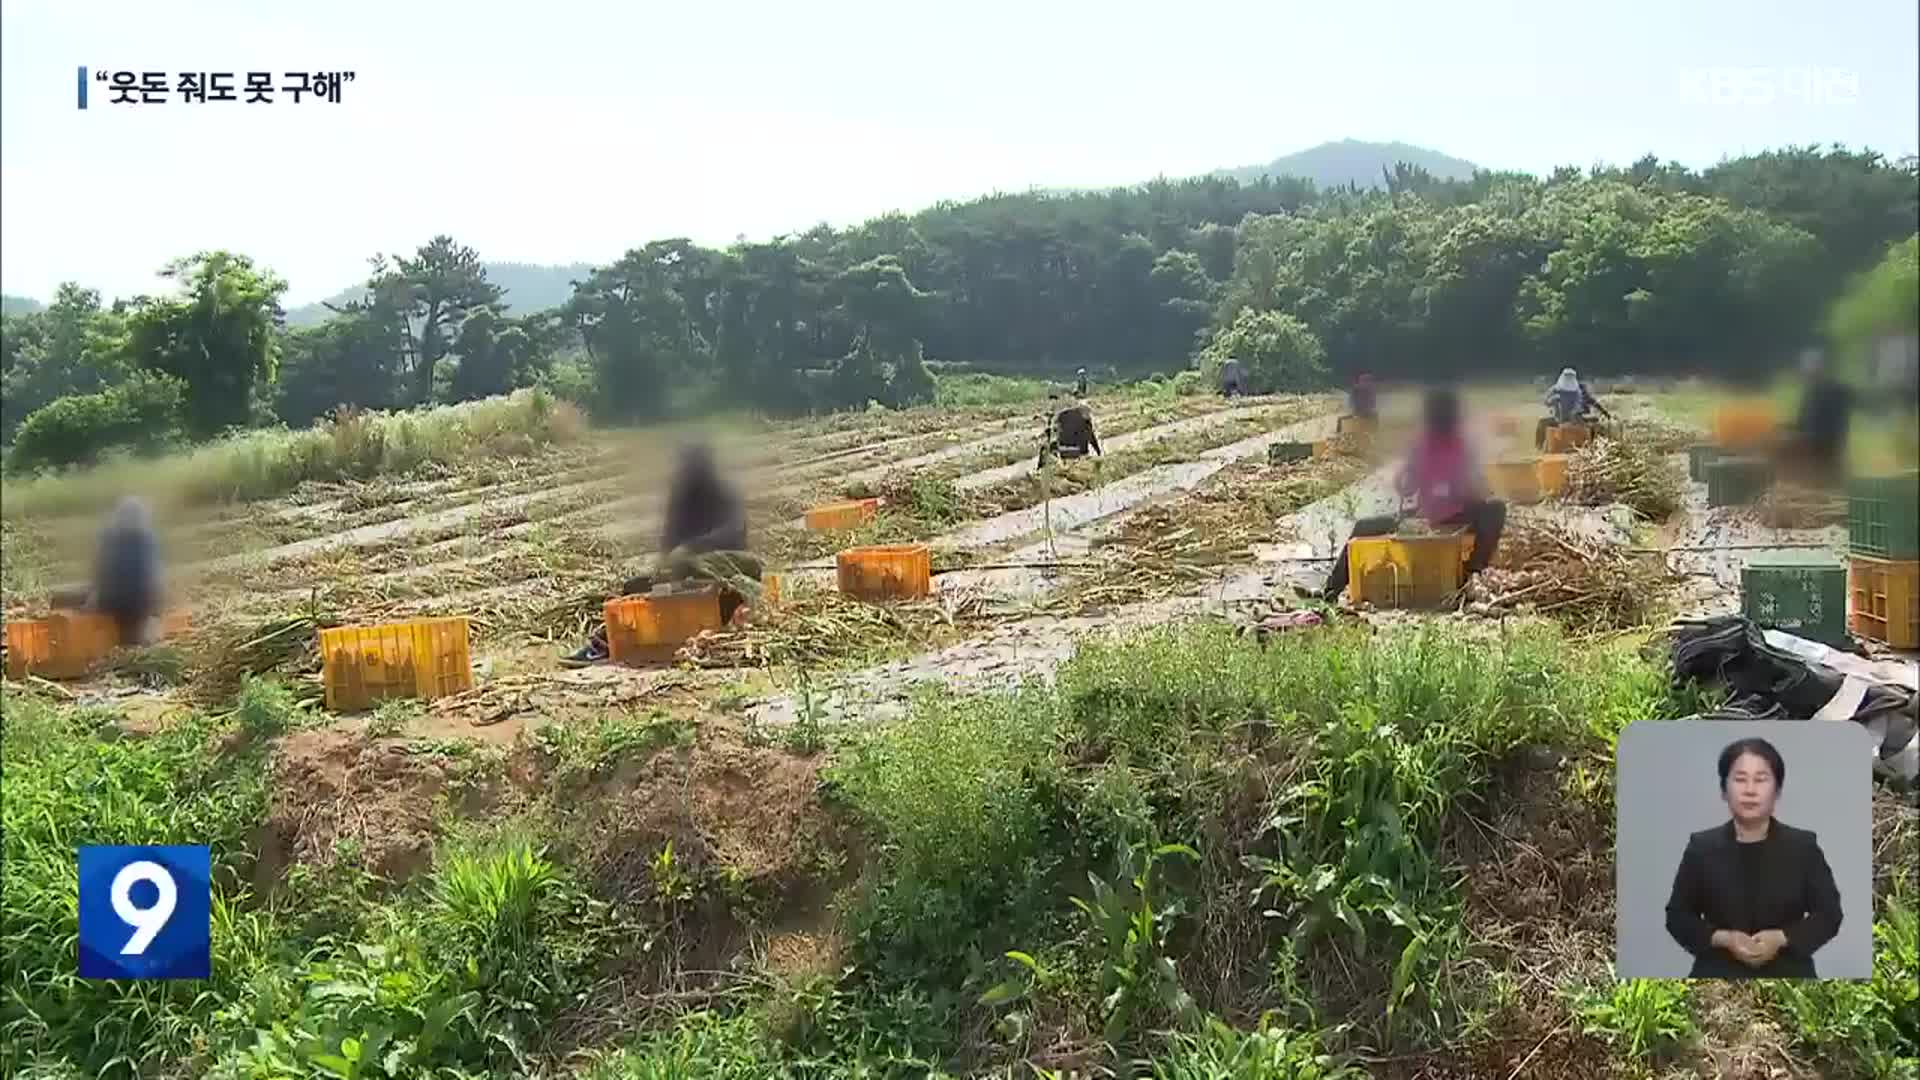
{"x": 1071, "y": 434}
{"x": 1232, "y": 382}
{"x": 705, "y": 541}
{"x": 1445, "y": 481}
{"x": 1363, "y": 401}
{"x": 126, "y": 573}
{"x": 1819, "y": 437}
{"x": 1569, "y": 401}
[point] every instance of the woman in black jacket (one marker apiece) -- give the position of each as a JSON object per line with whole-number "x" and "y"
{"x": 1754, "y": 898}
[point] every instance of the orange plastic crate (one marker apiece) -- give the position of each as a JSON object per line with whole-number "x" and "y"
{"x": 770, "y": 588}
{"x": 1506, "y": 427}
{"x": 1515, "y": 481}
{"x": 1743, "y": 425}
{"x": 1564, "y": 437}
{"x": 842, "y": 515}
{"x": 1407, "y": 571}
{"x": 65, "y": 645}
{"x": 1885, "y": 601}
{"x": 364, "y": 665}
{"x": 648, "y": 629}
{"x": 1550, "y": 472}
{"x": 887, "y": 572}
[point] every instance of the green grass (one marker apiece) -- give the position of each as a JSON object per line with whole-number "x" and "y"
{"x": 1186, "y": 857}
{"x": 263, "y": 464}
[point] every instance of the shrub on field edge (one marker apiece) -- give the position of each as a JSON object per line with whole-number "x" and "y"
{"x": 141, "y": 415}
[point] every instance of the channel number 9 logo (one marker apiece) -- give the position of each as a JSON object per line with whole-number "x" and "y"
{"x": 146, "y": 912}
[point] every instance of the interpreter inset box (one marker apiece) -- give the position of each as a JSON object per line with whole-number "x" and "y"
{"x": 1744, "y": 850}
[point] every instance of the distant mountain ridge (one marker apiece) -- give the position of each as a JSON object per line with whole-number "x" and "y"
{"x": 529, "y": 287}
{"x": 19, "y": 305}
{"x": 1351, "y": 161}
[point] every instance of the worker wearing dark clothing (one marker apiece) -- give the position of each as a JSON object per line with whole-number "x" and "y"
{"x": 1071, "y": 434}
{"x": 126, "y": 577}
{"x": 1823, "y": 421}
{"x": 1362, "y": 400}
{"x": 1443, "y": 477}
{"x": 1080, "y": 383}
{"x": 705, "y": 540}
{"x": 1231, "y": 384}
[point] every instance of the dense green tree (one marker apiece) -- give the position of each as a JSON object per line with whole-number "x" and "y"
{"x": 1277, "y": 353}
{"x": 220, "y": 337}
{"x": 438, "y": 287}
{"x": 74, "y": 346}
{"x": 141, "y": 413}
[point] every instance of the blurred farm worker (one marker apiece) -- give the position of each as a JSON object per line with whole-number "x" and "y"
{"x": 1820, "y": 430}
{"x": 1447, "y": 485}
{"x": 1071, "y": 434}
{"x": 1080, "y": 383}
{"x": 1362, "y": 400}
{"x": 705, "y": 541}
{"x": 1569, "y": 401}
{"x": 126, "y": 574}
{"x": 1231, "y": 384}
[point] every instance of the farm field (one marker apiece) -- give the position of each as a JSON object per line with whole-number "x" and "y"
{"x": 1101, "y": 805}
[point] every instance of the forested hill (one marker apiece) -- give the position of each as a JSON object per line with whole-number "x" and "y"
{"x": 529, "y": 287}
{"x": 1645, "y": 267}
{"x": 19, "y": 305}
{"x": 1351, "y": 161}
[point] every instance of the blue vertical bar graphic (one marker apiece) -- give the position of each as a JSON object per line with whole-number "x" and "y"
{"x": 83, "y": 86}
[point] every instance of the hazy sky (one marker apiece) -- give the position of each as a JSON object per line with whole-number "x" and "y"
{"x": 572, "y": 130}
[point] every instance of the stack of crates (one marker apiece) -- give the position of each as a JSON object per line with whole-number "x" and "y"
{"x": 886, "y": 572}
{"x": 1883, "y": 540}
{"x": 1699, "y": 456}
{"x": 1807, "y": 599}
{"x": 1737, "y": 481}
{"x": 1407, "y": 571}
{"x": 362, "y": 666}
{"x": 650, "y": 628}
{"x": 1518, "y": 482}
{"x": 1282, "y": 453}
{"x": 848, "y": 514}
{"x": 64, "y": 645}
{"x": 1566, "y": 438}
{"x": 1550, "y": 472}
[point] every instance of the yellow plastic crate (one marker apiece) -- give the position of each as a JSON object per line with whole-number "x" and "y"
{"x": 1885, "y": 602}
{"x": 1562, "y": 438}
{"x": 1407, "y": 571}
{"x": 1743, "y": 425}
{"x": 1515, "y": 481}
{"x": 647, "y": 629}
{"x": 842, "y": 515}
{"x": 65, "y": 645}
{"x": 886, "y": 572}
{"x": 364, "y": 665}
{"x": 1550, "y": 472}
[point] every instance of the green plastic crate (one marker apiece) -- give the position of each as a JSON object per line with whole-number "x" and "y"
{"x": 1283, "y": 452}
{"x": 1883, "y": 516}
{"x": 1737, "y": 481}
{"x": 1699, "y": 456}
{"x": 1808, "y": 600}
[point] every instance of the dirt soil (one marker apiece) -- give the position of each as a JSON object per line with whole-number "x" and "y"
{"x": 748, "y": 813}
{"x": 333, "y": 785}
